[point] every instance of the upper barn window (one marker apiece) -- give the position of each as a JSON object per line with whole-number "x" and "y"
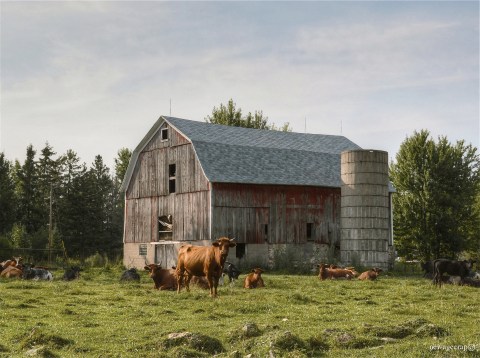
{"x": 164, "y": 134}
{"x": 172, "y": 171}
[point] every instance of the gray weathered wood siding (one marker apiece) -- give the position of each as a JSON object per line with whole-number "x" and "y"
{"x": 147, "y": 196}
{"x": 241, "y": 211}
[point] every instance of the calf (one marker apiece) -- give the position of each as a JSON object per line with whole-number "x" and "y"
{"x": 130, "y": 275}
{"x": 205, "y": 261}
{"x": 35, "y": 273}
{"x": 163, "y": 279}
{"x": 371, "y": 274}
{"x": 336, "y": 273}
{"x": 231, "y": 271}
{"x": 451, "y": 267}
{"x": 254, "y": 279}
{"x": 72, "y": 273}
{"x": 323, "y": 272}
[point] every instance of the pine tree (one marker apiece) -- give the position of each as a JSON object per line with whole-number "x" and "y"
{"x": 7, "y": 195}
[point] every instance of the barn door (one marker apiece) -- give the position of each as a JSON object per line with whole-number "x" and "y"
{"x": 262, "y": 229}
{"x": 166, "y": 255}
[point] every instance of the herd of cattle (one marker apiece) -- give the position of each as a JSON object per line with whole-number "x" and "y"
{"x": 206, "y": 266}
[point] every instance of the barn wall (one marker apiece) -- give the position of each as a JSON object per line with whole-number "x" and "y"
{"x": 147, "y": 196}
{"x": 242, "y": 211}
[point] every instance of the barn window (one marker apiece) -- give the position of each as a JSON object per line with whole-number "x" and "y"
{"x": 309, "y": 232}
{"x": 240, "y": 250}
{"x": 142, "y": 250}
{"x": 165, "y": 227}
{"x": 164, "y": 134}
{"x": 172, "y": 169}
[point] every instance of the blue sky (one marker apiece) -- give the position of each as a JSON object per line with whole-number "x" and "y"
{"x": 94, "y": 76}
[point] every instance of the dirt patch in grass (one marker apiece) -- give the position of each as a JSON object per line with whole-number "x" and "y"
{"x": 287, "y": 341}
{"x": 38, "y": 337}
{"x": 419, "y": 327}
{"x": 194, "y": 341}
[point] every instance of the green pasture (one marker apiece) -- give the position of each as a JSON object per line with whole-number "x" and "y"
{"x": 294, "y": 316}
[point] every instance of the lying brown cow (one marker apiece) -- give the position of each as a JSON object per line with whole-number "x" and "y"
{"x": 12, "y": 272}
{"x": 371, "y": 274}
{"x": 335, "y": 272}
{"x": 163, "y": 279}
{"x": 205, "y": 261}
{"x": 323, "y": 273}
{"x": 254, "y": 279}
{"x": 13, "y": 262}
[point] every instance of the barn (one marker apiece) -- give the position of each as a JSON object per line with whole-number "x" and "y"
{"x": 193, "y": 182}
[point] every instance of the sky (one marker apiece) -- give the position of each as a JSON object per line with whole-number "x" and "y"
{"x": 95, "y": 76}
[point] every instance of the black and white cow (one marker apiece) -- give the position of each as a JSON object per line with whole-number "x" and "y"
{"x": 231, "y": 271}
{"x": 30, "y": 272}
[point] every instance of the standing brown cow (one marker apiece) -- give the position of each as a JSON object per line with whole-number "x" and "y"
{"x": 205, "y": 261}
{"x": 254, "y": 279}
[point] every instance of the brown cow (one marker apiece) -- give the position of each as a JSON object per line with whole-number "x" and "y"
{"x": 11, "y": 272}
{"x": 371, "y": 274}
{"x": 323, "y": 272}
{"x": 254, "y": 279}
{"x": 205, "y": 261}
{"x": 13, "y": 262}
{"x": 163, "y": 279}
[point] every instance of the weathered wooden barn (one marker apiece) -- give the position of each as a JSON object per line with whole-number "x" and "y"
{"x": 190, "y": 181}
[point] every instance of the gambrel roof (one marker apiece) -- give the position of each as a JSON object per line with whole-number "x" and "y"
{"x": 253, "y": 156}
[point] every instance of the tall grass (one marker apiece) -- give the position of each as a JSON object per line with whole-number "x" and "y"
{"x": 294, "y": 316}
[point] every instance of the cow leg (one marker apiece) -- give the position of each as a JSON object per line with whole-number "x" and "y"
{"x": 215, "y": 285}
{"x": 187, "y": 282}
{"x": 180, "y": 273}
{"x": 210, "y": 285}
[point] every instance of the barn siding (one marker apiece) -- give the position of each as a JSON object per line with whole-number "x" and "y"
{"x": 147, "y": 196}
{"x": 240, "y": 211}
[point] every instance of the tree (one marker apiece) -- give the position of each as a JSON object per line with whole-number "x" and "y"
{"x": 28, "y": 213}
{"x": 121, "y": 164}
{"x": 229, "y": 115}
{"x": 437, "y": 188}
{"x": 7, "y": 195}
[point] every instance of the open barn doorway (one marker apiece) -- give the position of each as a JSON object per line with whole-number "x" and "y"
{"x": 165, "y": 228}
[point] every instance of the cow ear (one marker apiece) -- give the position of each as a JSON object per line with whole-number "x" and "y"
{"x": 216, "y": 244}
{"x": 147, "y": 268}
{"x": 232, "y": 244}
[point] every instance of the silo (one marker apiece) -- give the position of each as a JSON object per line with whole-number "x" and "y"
{"x": 365, "y": 208}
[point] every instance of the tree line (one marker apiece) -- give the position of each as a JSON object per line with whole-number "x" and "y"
{"x": 57, "y": 202}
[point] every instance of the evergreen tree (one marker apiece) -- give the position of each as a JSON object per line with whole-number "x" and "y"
{"x": 28, "y": 213}
{"x": 71, "y": 198}
{"x": 7, "y": 195}
{"x": 437, "y": 188}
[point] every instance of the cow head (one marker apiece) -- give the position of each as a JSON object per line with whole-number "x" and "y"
{"x": 153, "y": 268}
{"x": 257, "y": 271}
{"x": 224, "y": 244}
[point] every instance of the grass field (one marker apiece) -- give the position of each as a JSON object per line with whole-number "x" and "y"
{"x": 294, "y": 316}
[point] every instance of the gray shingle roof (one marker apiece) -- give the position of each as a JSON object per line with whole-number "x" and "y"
{"x": 251, "y": 156}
